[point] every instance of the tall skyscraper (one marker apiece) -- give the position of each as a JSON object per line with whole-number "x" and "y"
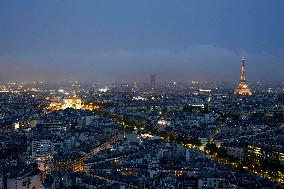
{"x": 153, "y": 81}
{"x": 243, "y": 88}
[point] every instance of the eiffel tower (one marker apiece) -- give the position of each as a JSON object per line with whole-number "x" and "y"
{"x": 243, "y": 88}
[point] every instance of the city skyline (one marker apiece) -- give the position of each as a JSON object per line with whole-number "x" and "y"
{"x": 127, "y": 41}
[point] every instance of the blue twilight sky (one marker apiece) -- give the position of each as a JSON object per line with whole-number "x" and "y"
{"x": 106, "y": 40}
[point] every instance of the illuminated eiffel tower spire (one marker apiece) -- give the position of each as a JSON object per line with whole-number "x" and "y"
{"x": 243, "y": 74}
{"x": 243, "y": 88}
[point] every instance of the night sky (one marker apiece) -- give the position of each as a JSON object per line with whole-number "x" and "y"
{"x": 127, "y": 40}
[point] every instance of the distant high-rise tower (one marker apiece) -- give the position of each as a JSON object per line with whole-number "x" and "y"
{"x": 243, "y": 88}
{"x": 153, "y": 81}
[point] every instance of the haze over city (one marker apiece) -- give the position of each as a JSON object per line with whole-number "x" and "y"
{"x": 105, "y": 41}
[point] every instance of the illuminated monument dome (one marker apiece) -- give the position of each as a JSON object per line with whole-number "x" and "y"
{"x": 243, "y": 88}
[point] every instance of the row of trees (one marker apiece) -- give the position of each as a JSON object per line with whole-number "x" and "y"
{"x": 130, "y": 125}
{"x": 260, "y": 165}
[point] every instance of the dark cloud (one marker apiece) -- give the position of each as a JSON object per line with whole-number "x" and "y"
{"x": 202, "y": 62}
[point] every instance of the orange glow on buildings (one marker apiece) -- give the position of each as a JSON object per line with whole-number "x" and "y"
{"x": 71, "y": 102}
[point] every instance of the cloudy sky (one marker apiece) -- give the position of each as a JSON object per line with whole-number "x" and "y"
{"x": 107, "y": 40}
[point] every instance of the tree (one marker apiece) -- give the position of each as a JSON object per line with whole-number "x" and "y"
{"x": 187, "y": 109}
{"x": 212, "y": 148}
